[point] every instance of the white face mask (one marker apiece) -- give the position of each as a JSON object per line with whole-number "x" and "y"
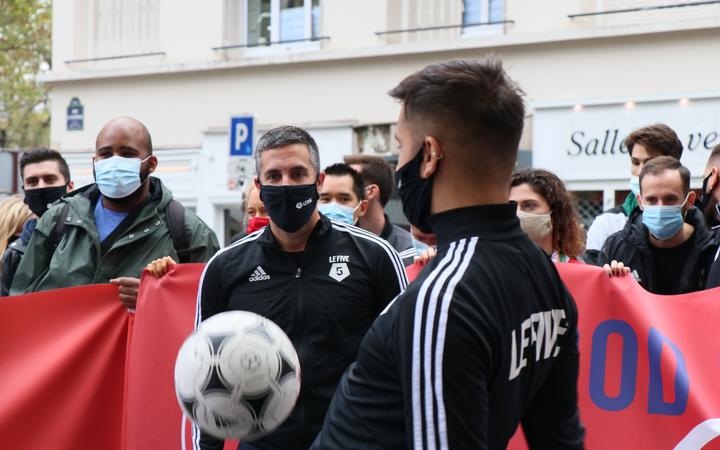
{"x": 537, "y": 226}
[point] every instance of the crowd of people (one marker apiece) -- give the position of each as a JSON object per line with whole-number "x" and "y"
{"x": 385, "y": 363}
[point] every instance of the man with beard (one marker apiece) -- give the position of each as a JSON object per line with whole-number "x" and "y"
{"x": 709, "y": 204}
{"x": 113, "y": 228}
{"x": 321, "y": 280}
{"x": 456, "y": 361}
{"x": 710, "y": 194}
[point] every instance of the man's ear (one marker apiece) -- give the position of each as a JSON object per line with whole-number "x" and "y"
{"x": 362, "y": 208}
{"x": 71, "y": 186}
{"x": 690, "y": 200}
{"x": 372, "y": 191}
{"x": 256, "y": 180}
{"x": 152, "y": 163}
{"x": 432, "y": 153}
{"x": 639, "y": 201}
{"x": 320, "y": 180}
{"x": 712, "y": 181}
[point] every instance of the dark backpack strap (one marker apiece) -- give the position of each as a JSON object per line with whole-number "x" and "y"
{"x": 58, "y": 230}
{"x": 175, "y": 216}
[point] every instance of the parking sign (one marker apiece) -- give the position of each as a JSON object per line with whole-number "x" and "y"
{"x": 241, "y": 135}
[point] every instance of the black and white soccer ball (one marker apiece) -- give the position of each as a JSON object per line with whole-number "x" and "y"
{"x": 237, "y": 376}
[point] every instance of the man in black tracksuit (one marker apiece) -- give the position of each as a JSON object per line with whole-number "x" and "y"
{"x": 322, "y": 281}
{"x": 486, "y": 337}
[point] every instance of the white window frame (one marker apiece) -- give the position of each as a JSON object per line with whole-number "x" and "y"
{"x": 484, "y": 30}
{"x": 261, "y": 50}
{"x": 126, "y": 39}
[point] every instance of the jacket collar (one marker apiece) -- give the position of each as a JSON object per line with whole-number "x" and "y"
{"x": 322, "y": 227}
{"x": 487, "y": 222}
{"x": 387, "y": 228}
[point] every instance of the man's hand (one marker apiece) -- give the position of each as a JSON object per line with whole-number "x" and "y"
{"x": 616, "y": 269}
{"x": 128, "y": 290}
{"x": 424, "y": 257}
{"x": 160, "y": 266}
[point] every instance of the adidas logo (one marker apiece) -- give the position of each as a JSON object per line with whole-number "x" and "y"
{"x": 259, "y": 275}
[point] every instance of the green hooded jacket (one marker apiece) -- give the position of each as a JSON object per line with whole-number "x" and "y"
{"x": 79, "y": 258}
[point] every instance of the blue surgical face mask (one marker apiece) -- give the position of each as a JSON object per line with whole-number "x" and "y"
{"x": 635, "y": 185}
{"x": 663, "y": 221}
{"x": 338, "y": 212}
{"x": 117, "y": 177}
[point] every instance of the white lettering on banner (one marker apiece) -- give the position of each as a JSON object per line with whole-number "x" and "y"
{"x": 544, "y": 328}
{"x": 700, "y": 435}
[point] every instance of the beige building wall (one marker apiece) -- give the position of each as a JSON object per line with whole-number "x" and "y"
{"x": 185, "y": 89}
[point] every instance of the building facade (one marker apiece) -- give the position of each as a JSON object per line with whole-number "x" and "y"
{"x": 592, "y": 71}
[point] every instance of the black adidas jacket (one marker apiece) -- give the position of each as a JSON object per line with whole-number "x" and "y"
{"x": 484, "y": 339}
{"x": 631, "y": 246}
{"x": 326, "y": 305}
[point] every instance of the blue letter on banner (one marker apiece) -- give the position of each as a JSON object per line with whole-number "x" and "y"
{"x": 628, "y": 377}
{"x": 656, "y": 405}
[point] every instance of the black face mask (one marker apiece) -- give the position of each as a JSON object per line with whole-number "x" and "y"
{"x": 415, "y": 193}
{"x": 38, "y": 200}
{"x": 289, "y": 207}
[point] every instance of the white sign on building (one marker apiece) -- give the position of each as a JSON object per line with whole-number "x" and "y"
{"x": 584, "y": 142}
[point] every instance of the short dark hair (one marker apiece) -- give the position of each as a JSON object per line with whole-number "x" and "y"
{"x": 658, "y": 165}
{"x": 42, "y": 154}
{"x": 474, "y": 102}
{"x": 287, "y": 135}
{"x": 342, "y": 169}
{"x": 375, "y": 170}
{"x": 714, "y": 154}
{"x": 658, "y": 139}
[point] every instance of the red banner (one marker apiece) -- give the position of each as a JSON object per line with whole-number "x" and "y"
{"x": 648, "y": 371}
{"x": 165, "y": 317}
{"x": 649, "y": 364}
{"x": 62, "y": 369}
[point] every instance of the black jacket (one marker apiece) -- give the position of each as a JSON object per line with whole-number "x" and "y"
{"x": 13, "y": 255}
{"x": 484, "y": 338}
{"x": 631, "y": 246}
{"x": 346, "y": 278}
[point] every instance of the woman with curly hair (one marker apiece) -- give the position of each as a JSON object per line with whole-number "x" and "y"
{"x": 547, "y": 214}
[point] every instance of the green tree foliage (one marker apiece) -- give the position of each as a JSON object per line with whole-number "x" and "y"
{"x": 25, "y": 52}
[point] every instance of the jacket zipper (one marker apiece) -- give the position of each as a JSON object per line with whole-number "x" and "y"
{"x": 303, "y": 333}
{"x": 303, "y": 338}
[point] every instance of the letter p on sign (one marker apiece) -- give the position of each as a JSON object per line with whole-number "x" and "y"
{"x": 241, "y": 135}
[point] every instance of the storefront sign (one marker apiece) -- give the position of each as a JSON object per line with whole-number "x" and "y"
{"x": 586, "y": 142}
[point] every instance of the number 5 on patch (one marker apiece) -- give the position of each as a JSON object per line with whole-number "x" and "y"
{"x": 339, "y": 271}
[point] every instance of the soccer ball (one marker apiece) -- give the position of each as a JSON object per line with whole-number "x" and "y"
{"x": 237, "y": 376}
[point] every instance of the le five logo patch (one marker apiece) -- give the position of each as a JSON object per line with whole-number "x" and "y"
{"x": 338, "y": 267}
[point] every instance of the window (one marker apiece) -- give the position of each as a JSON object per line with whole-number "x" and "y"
{"x": 481, "y": 12}
{"x": 124, "y": 27}
{"x": 276, "y": 21}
